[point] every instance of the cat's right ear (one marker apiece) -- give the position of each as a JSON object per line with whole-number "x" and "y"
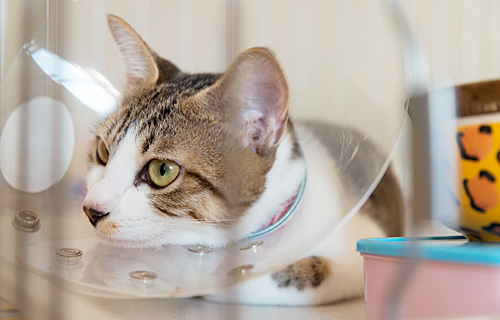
{"x": 254, "y": 94}
{"x": 143, "y": 65}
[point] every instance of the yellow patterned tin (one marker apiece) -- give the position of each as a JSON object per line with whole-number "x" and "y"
{"x": 478, "y": 151}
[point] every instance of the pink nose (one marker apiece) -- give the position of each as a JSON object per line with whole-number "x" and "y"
{"x": 94, "y": 215}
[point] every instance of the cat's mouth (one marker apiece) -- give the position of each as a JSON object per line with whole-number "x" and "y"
{"x": 107, "y": 227}
{"x": 109, "y": 231}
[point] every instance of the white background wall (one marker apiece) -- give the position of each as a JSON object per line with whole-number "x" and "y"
{"x": 461, "y": 37}
{"x": 342, "y": 58}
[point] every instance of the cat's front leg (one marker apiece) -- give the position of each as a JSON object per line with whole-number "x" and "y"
{"x": 333, "y": 272}
{"x": 310, "y": 281}
{"x": 306, "y": 273}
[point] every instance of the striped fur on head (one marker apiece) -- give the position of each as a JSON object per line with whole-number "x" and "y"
{"x": 221, "y": 129}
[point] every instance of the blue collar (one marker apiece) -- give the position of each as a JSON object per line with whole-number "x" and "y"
{"x": 289, "y": 209}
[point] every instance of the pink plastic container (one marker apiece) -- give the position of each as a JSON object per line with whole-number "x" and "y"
{"x": 437, "y": 278}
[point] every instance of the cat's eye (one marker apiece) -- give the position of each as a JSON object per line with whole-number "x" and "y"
{"x": 102, "y": 153}
{"x": 163, "y": 172}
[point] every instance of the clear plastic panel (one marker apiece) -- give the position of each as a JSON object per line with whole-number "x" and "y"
{"x": 62, "y": 82}
{"x": 454, "y": 85}
{"x": 452, "y": 72}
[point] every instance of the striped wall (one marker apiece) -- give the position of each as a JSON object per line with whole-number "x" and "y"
{"x": 461, "y": 37}
{"x": 342, "y": 58}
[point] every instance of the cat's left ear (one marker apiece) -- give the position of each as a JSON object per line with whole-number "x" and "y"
{"x": 255, "y": 92}
{"x": 143, "y": 65}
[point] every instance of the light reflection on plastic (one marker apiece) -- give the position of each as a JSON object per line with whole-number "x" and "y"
{"x": 87, "y": 85}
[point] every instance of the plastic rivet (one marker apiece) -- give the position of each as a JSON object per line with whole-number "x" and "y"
{"x": 252, "y": 245}
{"x": 199, "y": 249}
{"x": 240, "y": 270}
{"x": 26, "y": 220}
{"x": 143, "y": 278}
{"x": 69, "y": 255}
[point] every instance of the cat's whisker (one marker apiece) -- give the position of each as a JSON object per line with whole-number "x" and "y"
{"x": 199, "y": 226}
{"x": 212, "y": 222}
{"x": 186, "y": 150}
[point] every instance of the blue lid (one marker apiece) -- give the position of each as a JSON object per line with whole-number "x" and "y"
{"x": 446, "y": 249}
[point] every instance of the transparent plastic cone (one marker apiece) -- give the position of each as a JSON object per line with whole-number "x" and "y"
{"x": 361, "y": 134}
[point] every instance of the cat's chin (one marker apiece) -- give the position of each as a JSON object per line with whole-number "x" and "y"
{"x": 129, "y": 243}
{"x": 121, "y": 241}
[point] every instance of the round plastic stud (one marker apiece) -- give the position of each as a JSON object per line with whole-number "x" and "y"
{"x": 240, "y": 271}
{"x": 69, "y": 255}
{"x": 143, "y": 278}
{"x": 252, "y": 245}
{"x": 199, "y": 249}
{"x": 27, "y": 221}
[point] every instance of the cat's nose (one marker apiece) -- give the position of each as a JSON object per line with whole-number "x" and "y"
{"x": 94, "y": 215}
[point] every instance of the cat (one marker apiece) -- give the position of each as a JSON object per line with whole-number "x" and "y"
{"x": 211, "y": 158}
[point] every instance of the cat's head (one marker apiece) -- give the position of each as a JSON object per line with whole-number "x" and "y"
{"x": 185, "y": 155}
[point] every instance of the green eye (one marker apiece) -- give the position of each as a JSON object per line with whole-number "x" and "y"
{"x": 162, "y": 173}
{"x": 102, "y": 153}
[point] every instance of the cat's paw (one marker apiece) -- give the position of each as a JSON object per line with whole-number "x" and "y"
{"x": 305, "y": 273}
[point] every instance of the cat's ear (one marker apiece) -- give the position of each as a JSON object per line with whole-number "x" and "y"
{"x": 255, "y": 91}
{"x": 143, "y": 66}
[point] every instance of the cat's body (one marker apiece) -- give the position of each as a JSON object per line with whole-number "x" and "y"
{"x": 211, "y": 158}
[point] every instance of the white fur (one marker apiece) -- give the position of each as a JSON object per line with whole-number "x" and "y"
{"x": 321, "y": 205}
{"x": 345, "y": 282}
{"x": 256, "y": 81}
{"x": 111, "y": 189}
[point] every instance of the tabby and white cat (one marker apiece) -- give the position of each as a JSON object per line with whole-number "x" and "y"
{"x": 210, "y": 158}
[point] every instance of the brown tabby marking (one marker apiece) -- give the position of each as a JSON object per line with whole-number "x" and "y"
{"x": 221, "y": 134}
{"x": 385, "y": 205}
{"x": 306, "y": 273}
{"x": 175, "y": 120}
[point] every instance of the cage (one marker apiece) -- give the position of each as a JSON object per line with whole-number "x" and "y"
{"x": 454, "y": 93}
{"x": 62, "y": 73}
